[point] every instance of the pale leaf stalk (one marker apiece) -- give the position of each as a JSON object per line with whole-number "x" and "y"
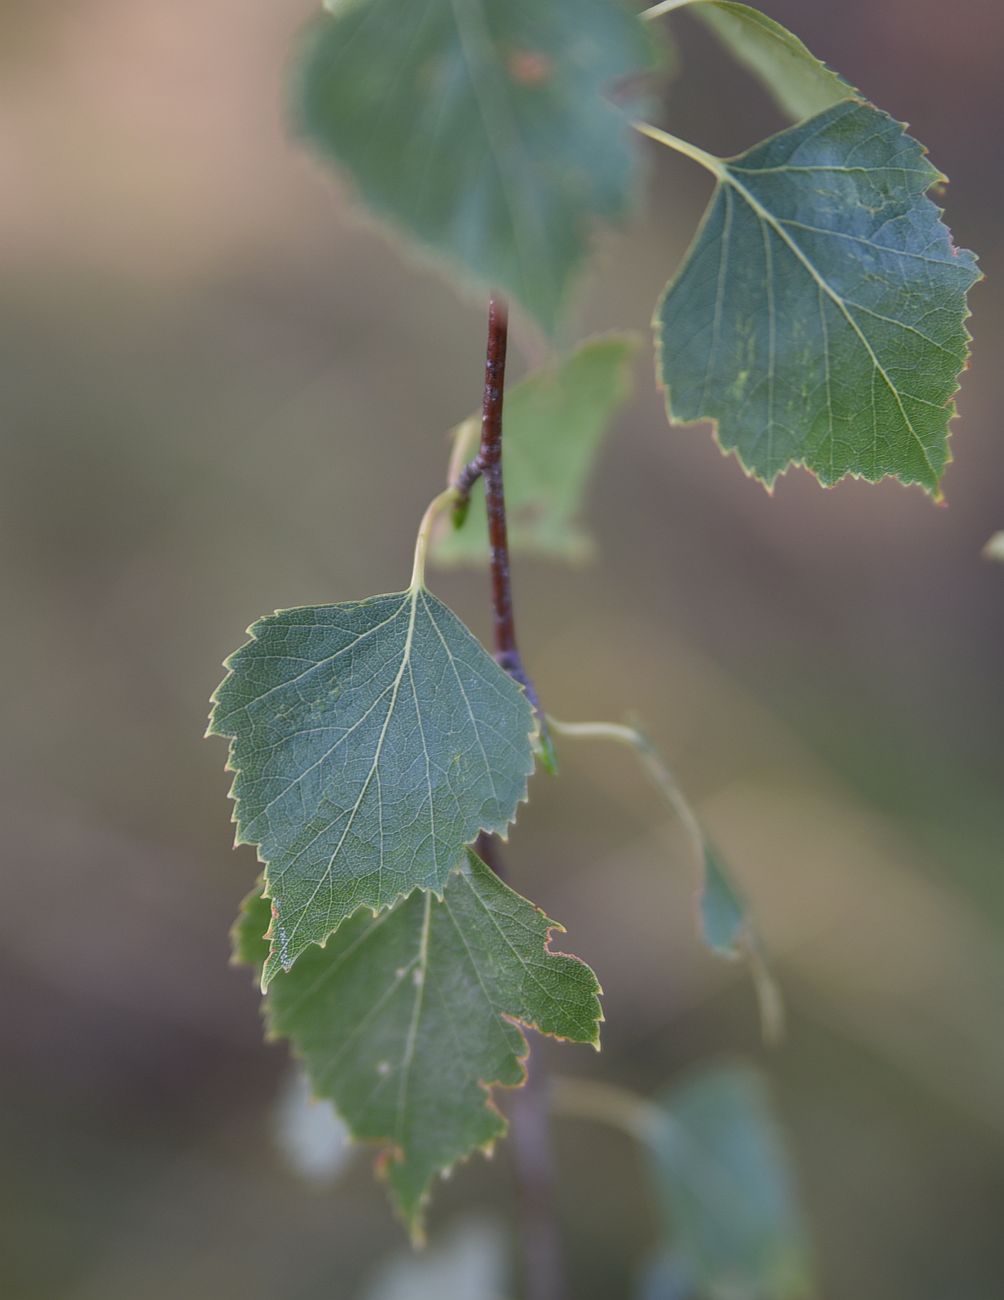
{"x": 707, "y": 160}
{"x": 657, "y": 770}
{"x": 663, "y": 7}
{"x": 769, "y": 1001}
{"x": 604, "y": 1103}
{"x": 437, "y": 506}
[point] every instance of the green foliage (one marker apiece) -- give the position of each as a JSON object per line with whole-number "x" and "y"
{"x": 731, "y": 1210}
{"x": 818, "y": 320}
{"x": 554, "y": 423}
{"x": 371, "y": 742}
{"x": 406, "y": 1020}
{"x": 798, "y": 81}
{"x": 483, "y": 129}
{"x": 819, "y": 317}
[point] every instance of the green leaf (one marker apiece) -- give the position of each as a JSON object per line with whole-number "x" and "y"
{"x": 371, "y": 741}
{"x": 483, "y": 129}
{"x": 731, "y": 1212}
{"x": 727, "y": 927}
{"x": 797, "y": 80}
{"x": 407, "y": 1020}
{"x": 819, "y": 316}
{"x": 554, "y": 423}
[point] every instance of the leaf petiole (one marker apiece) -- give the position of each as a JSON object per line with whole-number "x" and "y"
{"x": 664, "y": 7}
{"x": 446, "y": 500}
{"x": 707, "y": 160}
{"x": 726, "y": 925}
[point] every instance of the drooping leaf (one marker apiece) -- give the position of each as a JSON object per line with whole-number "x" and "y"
{"x": 554, "y": 423}
{"x": 371, "y": 741}
{"x": 819, "y": 318}
{"x": 727, "y": 927}
{"x": 407, "y": 1020}
{"x": 798, "y": 81}
{"x": 732, "y": 1216}
{"x": 485, "y": 130}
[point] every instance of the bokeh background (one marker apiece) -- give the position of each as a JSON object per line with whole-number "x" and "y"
{"x": 222, "y": 393}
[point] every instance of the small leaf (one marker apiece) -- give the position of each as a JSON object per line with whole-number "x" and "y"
{"x": 798, "y": 81}
{"x": 731, "y": 1212}
{"x": 819, "y": 316}
{"x": 371, "y": 741}
{"x": 554, "y": 423}
{"x": 407, "y": 1020}
{"x": 484, "y": 129}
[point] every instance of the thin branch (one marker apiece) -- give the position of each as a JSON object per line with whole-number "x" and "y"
{"x": 544, "y": 1273}
{"x": 487, "y": 464}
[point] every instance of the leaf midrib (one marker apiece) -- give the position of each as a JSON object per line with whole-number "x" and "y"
{"x": 327, "y": 873}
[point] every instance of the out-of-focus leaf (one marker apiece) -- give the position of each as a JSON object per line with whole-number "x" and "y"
{"x": 665, "y": 1278}
{"x": 554, "y": 423}
{"x": 485, "y": 130}
{"x": 469, "y": 1265}
{"x": 371, "y": 741}
{"x": 406, "y": 1020}
{"x": 731, "y": 1212}
{"x": 819, "y": 318}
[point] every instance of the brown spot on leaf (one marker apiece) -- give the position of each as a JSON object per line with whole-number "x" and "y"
{"x": 528, "y": 67}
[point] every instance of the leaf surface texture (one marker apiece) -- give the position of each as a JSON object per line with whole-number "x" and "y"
{"x": 405, "y": 1021}
{"x": 371, "y": 741}
{"x": 819, "y": 318}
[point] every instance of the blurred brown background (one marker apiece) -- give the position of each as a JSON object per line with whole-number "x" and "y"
{"x": 222, "y": 393}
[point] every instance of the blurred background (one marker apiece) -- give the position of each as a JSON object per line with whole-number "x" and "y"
{"x": 221, "y": 393}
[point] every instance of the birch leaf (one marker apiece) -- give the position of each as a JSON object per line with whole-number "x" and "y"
{"x": 732, "y": 1213}
{"x": 484, "y": 130}
{"x": 371, "y": 742}
{"x": 405, "y": 1021}
{"x": 819, "y": 318}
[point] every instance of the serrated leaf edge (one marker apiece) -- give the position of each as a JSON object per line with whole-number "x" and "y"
{"x": 211, "y": 730}
{"x": 386, "y": 1150}
{"x": 935, "y": 493}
